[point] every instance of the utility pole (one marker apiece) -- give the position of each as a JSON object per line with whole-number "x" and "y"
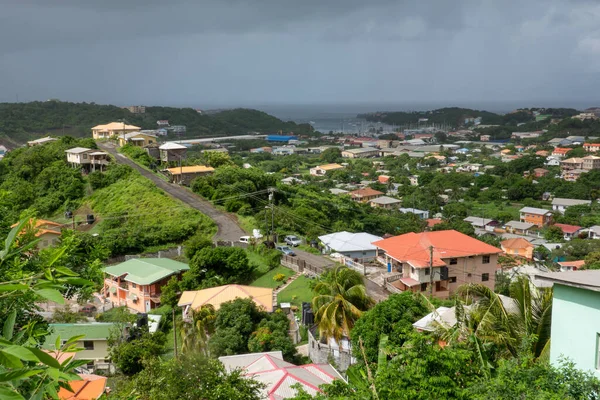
{"x": 430, "y": 271}
{"x": 271, "y": 190}
{"x": 266, "y": 224}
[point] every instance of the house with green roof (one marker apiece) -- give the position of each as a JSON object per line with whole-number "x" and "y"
{"x": 94, "y": 344}
{"x": 137, "y": 283}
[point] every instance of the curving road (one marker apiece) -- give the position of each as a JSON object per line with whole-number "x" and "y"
{"x": 227, "y": 226}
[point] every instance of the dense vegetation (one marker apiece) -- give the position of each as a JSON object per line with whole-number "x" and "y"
{"x": 455, "y": 116}
{"x": 36, "y": 181}
{"x": 20, "y": 122}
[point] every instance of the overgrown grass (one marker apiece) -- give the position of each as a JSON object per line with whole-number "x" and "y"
{"x": 259, "y": 260}
{"x": 137, "y": 215}
{"x": 266, "y": 280}
{"x": 297, "y": 292}
{"x": 247, "y": 222}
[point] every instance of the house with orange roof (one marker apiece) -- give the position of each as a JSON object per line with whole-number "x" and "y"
{"x": 46, "y": 232}
{"x": 365, "y": 195}
{"x": 591, "y": 147}
{"x": 566, "y": 266}
{"x": 438, "y": 262}
{"x": 90, "y": 387}
{"x": 322, "y": 170}
{"x": 561, "y": 152}
{"x": 518, "y": 247}
{"x": 195, "y": 299}
{"x": 384, "y": 179}
{"x": 185, "y": 175}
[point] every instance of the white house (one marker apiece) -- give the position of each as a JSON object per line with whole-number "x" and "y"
{"x": 560, "y": 204}
{"x": 351, "y": 245}
{"x": 419, "y": 213}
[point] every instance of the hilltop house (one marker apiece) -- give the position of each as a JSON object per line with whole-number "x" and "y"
{"x": 88, "y": 159}
{"x": 172, "y": 152}
{"x": 560, "y": 204}
{"x": 575, "y": 315}
{"x": 113, "y": 129}
{"x": 138, "y": 139}
{"x": 94, "y": 343}
{"x": 518, "y": 247}
{"x": 137, "y": 283}
{"x": 536, "y": 216}
{"x": 322, "y": 170}
{"x": 215, "y": 296}
{"x": 456, "y": 259}
{"x": 351, "y": 245}
{"x": 185, "y": 175}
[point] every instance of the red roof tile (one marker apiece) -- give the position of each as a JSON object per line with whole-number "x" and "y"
{"x": 568, "y": 228}
{"x": 431, "y": 222}
{"x": 414, "y": 248}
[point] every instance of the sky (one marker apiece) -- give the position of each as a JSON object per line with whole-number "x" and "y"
{"x": 210, "y": 53}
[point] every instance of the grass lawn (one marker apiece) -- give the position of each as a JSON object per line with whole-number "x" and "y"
{"x": 259, "y": 261}
{"x": 266, "y": 280}
{"x": 491, "y": 210}
{"x": 299, "y": 288}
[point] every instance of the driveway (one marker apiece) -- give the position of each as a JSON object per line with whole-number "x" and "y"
{"x": 227, "y": 226}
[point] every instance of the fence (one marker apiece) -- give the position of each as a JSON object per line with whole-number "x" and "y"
{"x": 355, "y": 265}
{"x": 301, "y": 266}
{"x": 388, "y": 283}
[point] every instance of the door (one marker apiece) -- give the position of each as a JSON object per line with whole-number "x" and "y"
{"x": 147, "y": 305}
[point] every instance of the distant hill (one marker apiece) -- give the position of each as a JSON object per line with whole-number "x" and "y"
{"x": 20, "y": 122}
{"x": 455, "y": 116}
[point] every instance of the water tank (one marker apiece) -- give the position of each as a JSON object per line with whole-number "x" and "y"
{"x": 90, "y": 219}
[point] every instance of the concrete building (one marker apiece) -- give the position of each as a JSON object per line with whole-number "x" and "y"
{"x": 364, "y": 152}
{"x": 172, "y": 152}
{"x": 536, "y": 216}
{"x": 518, "y": 247}
{"x": 365, "y": 195}
{"x": 561, "y": 204}
{"x": 590, "y": 163}
{"x": 456, "y": 259}
{"x": 185, "y": 175}
{"x": 352, "y": 245}
{"x": 137, "y": 283}
{"x": 519, "y": 228}
{"x": 575, "y": 318}
{"x": 591, "y": 147}
{"x": 88, "y": 159}
{"x": 46, "y": 232}
{"x": 419, "y": 213}
{"x": 136, "y": 109}
{"x": 385, "y": 202}
{"x": 138, "y": 139}
{"x": 112, "y": 129}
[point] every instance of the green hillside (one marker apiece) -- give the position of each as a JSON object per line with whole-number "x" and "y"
{"x": 20, "y": 122}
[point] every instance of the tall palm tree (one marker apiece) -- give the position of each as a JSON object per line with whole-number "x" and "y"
{"x": 493, "y": 324}
{"x": 340, "y": 299}
{"x": 195, "y": 333}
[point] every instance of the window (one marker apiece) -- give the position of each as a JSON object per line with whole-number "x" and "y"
{"x": 133, "y": 285}
{"x": 453, "y": 261}
{"x": 423, "y": 287}
{"x": 452, "y": 279}
{"x": 88, "y": 344}
{"x": 485, "y": 277}
{"x": 597, "y": 350}
{"x": 427, "y": 271}
{"x": 412, "y": 270}
{"x": 485, "y": 260}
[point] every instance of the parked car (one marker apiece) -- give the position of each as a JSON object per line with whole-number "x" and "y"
{"x": 245, "y": 239}
{"x": 286, "y": 250}
{"x": 292, "y": 240}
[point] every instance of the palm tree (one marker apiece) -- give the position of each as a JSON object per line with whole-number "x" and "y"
{"x": 195, "y": 334}
{"x": 340, "y": 299}
{"x": 503, "y": 326}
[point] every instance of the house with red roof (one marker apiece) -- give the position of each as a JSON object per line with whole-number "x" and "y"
{"x": 566, "y": 266}
{"x": 560, "y": 152}
{"x": 569, "y": 231}
{"x": 280, "y": 377}
{"x": 438, "y": 262}
{"x": 591, "y": 147}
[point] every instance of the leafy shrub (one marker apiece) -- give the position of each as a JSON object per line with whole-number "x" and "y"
{"x": 279, "y": 277}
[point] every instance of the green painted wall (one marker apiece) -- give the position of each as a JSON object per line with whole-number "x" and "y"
{"x": 575, "y": 326}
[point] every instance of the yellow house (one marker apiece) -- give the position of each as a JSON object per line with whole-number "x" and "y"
{"x": 46, "y": 232}
{"x": 138, "y": 139}
{"x": 113, "y": 129}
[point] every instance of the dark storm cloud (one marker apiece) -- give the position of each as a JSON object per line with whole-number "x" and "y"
{"x": 233, "y": 51}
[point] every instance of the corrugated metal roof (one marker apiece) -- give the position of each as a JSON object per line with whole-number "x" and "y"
{"x": 145, "y": 271}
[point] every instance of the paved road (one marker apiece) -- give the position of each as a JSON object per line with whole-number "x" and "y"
{"x": 228, "y": 228}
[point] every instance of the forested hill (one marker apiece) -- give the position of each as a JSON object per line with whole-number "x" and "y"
{"x": 455, "y": 116}
{"x": 20, "y": 122}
